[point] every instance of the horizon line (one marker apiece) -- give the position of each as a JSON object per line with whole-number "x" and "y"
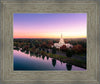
{"x": 50, "y": 38}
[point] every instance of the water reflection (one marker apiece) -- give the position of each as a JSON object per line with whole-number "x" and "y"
{"x": 35, "y": 61}
{"x": 31, "y": 53}
{"x": 53, "y": 62}
{"x": 47, "y": 58}
{"x": 61, "y": 62}
{"x": 39, "y": 55}
{"x": 43, "y": 57}
{"x": 27, "y": 52}
{"x": 68, "y": 66}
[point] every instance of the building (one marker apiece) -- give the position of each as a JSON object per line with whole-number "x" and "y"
{"x": 61, "y": 43}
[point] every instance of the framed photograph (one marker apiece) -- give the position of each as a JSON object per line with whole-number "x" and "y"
{"x": 49, "y": 42}
{"x": 39, "y": 46}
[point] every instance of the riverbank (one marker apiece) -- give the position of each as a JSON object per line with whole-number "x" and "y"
{"x": 65, "y": 59}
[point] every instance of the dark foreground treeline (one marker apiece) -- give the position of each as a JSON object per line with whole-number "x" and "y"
{"x": 45, "y": 47}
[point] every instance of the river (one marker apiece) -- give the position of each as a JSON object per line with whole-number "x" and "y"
{"x": 26, "y": 61}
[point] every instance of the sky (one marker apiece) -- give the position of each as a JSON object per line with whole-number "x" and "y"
{"x": 49, "y": 25}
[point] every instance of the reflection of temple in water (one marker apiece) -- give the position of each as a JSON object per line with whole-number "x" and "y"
{"x": 61, "y": 43}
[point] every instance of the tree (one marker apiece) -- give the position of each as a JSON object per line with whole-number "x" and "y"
{"x": 33, "y": 49}
{"x": 50, "y": 42}
{"x": 39, "y": 48}
{"x": 43, "y": 49}
{"x": 43, "y": 45}
{"x": 26, "y": 47}
{"x": 69, "y": 53}
{"x": 54, "y": 50}
{"x": 16, "y": 44}
{"x": 63, "y": 48}
{"x": 47, "y": 51}
{"x": 78, "y": 49}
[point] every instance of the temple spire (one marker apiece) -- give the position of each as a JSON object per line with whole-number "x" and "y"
{"x": 61, "y": 40}
{"x": 61, "y": 35}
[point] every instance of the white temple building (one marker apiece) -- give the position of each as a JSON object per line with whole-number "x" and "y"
{"x": 61, "y": 43}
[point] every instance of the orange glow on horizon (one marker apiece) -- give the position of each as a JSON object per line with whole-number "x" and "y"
{"x": 49, "y": 35}
{"x": 23, "y": 36}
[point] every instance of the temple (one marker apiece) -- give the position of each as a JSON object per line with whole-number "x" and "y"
{"x": 61, "y": 43}
{"x": 61, "y": 40}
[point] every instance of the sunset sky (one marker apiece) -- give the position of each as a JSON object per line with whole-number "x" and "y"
{"x": 50, "y": 25}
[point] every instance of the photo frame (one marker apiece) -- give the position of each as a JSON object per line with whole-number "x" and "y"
{"x": 8, "y": 75}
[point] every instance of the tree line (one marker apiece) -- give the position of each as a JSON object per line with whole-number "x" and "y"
{"x": 79, "y": 47}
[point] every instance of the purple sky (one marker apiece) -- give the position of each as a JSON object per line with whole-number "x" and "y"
{"x": 50, "y": 25}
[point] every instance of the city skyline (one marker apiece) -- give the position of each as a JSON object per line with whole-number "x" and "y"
{"x": 32, "y": 25}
